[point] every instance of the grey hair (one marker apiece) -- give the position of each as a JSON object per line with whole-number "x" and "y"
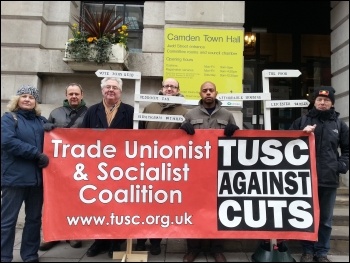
{"x": 13, "y": 105}
{"x": 118, "y": 80}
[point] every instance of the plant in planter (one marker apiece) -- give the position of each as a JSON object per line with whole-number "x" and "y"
{"x": 99, "y": 33}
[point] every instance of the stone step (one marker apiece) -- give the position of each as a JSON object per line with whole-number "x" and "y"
{"x": 339, "y": 243}
{"x": 341, "y": 216}
{"x": 343, "y": 191}
{"x": 342, "y": 200}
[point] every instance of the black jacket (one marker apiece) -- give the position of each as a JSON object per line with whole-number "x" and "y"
{"x": 95, "y": 117}
{"x": 331, "y": 133}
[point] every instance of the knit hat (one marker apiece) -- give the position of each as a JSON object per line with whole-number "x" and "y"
{"x": 27, "y": 89}
{"x": 325, "y": 91}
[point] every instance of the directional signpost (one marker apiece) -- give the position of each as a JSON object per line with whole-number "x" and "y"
{"x": 287, "y": 103}
{"x": 244, "y": 96}
{"x": 266, "y": 74}
{"x": 284, "y": 73}
{"x": 118, "y": 74}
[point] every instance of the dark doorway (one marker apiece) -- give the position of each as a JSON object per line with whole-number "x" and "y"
{"x": 288, "y": 35}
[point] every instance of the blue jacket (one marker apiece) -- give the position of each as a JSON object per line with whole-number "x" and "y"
{"x": 20, "y": 143}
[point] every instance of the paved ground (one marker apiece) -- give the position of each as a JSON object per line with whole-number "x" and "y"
{"x": 172, "y": 251}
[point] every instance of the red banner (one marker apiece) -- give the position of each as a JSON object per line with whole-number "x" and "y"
{"x": 166, "y": 184}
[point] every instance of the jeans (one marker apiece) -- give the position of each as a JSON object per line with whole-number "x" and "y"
{"x": 326, "y": 196}
{"x": 11, "y": 202}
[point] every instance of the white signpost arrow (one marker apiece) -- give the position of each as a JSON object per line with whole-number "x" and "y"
{"x": 244, "y": 96}
{"x": 284, "y": 73}
{"x": 287, "y": 103}
{"x": 159, "y": 98}
{"x": 118, "y": 74}
{"x": 158, "y": 117}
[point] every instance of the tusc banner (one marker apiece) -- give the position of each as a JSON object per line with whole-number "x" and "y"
{"x": 166, "y": 184}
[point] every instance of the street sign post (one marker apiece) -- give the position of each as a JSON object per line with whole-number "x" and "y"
{"x": 266, "y": 74}
{"x": 244, "y": 96}
{"x": 287, "y": 103}
{"x": 284, "y": 73}
{"x": 118, "y": 74}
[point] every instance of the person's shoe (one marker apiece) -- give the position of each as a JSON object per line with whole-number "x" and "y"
{"x": 44, "y": 246}
{"x": 96, "y": 248}
{"x": 115, "y": 246}
{"x": 155, "y": 249}
{"x": 322, "y": 259}
{"x": 219, "y": 257}
{"x": 305, "y": 257}
{"x": 75, "y": 243}
{"x": 32, "y": 260}
{"x": 190, "y": 256}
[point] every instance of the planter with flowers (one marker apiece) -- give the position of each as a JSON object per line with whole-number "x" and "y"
{"x": 100, "y": 44}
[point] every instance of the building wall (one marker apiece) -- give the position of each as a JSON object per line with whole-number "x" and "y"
{"x": 340, "y": 61}
{"x": 34, "y": 35}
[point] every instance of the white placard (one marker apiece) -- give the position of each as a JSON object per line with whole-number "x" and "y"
{"x": 287, "y": 103}
{"x": 283, "y": 73}
{"x": 118, "y": 74}
{"x": 159, "y": 98}
{"x": 158, "y": 117}
{"x": 244, "y": 96}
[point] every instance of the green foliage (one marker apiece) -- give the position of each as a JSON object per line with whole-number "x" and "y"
{"x": 100, "y": 31}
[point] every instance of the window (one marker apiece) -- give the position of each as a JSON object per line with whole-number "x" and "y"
{"x": 132, "y": 13}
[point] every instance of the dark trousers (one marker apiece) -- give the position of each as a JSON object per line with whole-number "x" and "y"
{"x": 153, "y": 241}
{"x": 11, "y": 201}
{"x": 198, "y": 245}
{"x": 326, "y": 199}
{"x": 109, "y": 244}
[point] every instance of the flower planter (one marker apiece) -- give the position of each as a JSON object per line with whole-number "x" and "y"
{"x": 119, "y": 53}
{"x": 117, "y": 60}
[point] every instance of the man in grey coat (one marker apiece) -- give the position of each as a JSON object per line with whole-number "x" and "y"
{"x": 71, "y": 114}
{"x": 208, "y": 115}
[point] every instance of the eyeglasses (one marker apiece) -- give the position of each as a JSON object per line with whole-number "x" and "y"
{"x": 111, "y": 87}
{"x": 169, "y": 86}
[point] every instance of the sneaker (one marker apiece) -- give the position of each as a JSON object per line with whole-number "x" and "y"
{"x": 219, "y": 257}
{"x": 307, "y": 258}
{"x": 44, "y": 246}
{"x": 322, "y": 259}
{"x": 75, "y": 243}
{"x": 190, "y": 256}
{"x": 155, "y": 249}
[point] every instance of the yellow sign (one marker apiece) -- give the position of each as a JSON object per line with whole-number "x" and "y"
{"x": 193, "y": 56}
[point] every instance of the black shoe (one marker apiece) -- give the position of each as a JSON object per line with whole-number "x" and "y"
{"x": 321, "y": 259}
{"x": 98, "y": 247}
{"x": 219, "y": 257}
{"x": 32, "y": 260}
{"x": 75, "y": 243}
{"x": 155, "y": 249}
{"x": 44, "y": 246}
{"x": 115, "y": 246}
{"x": 306, "y": 257}
{"x": 190, "y": 256}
